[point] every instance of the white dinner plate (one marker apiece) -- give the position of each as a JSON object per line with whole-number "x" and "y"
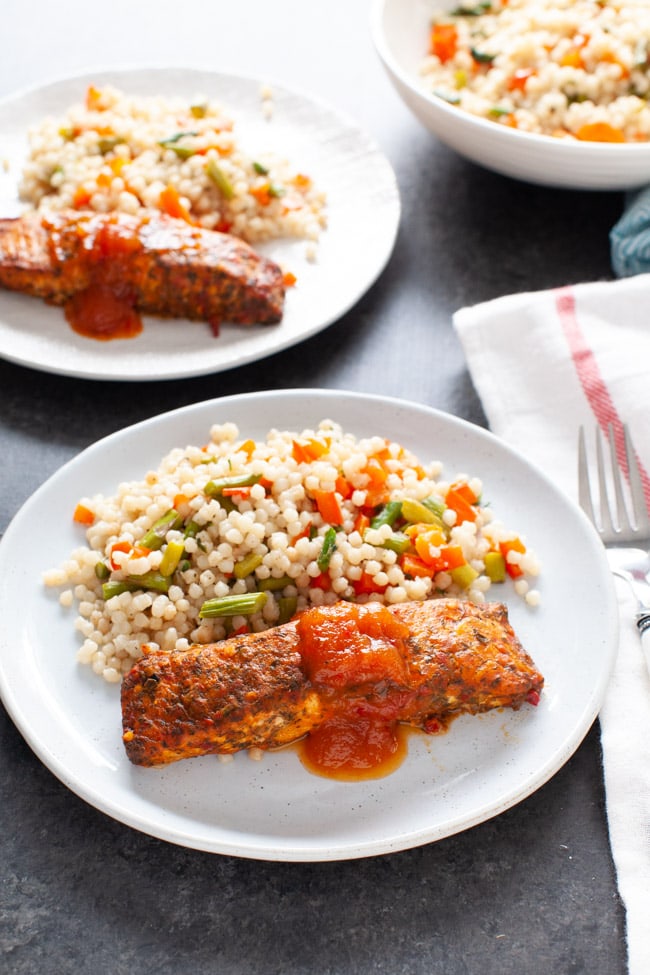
{"x": 274, "y": 809}
{"x": 363, "y": 211}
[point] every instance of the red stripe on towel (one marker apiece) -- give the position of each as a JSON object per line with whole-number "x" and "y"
{"x": 592, "y": 382}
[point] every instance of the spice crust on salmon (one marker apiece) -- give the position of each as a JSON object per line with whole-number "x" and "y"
{"x": 418, "y": 663}
{"x": 151, "y": 263}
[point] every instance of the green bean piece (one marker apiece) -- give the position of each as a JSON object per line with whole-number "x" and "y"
{"x": 260, "y": 169}
{"x": 171, "y": 557}
{"x": 219, "y": 178}
{"x": 102, "y": 571}
{"x": 415, "y": 512}
{"x": 155, "y": 537}
{"x": 191, "y": 530}
{"x": 463, "y": 575}
{"x": 495, "y": 567}
{"x": 397, "y": 542}
{"x": 481, "y": 57}
{"x": 154, "y": 580}
{"x": 327, "y": 550}
{"x": 173, "y": 139}
{"x": 287, "y": 606}
{"x": 435, "y": 504}
{"x": 476, "y": 11}
{"x": 110, "y": 589}
{"x": 183, "y": 152}
{"x": 451, "y": 99}
{"x": 236, "y": 605}
{"x": 214, "y": 489}
{"x": 106, "y": 145}
{"x": 274, "y": 585}
{"x": 388, "y": 514}
{"x": 245, "y": 566}
{"x": 150, "y": 580}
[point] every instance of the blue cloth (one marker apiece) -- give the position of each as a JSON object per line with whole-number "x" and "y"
{"x": 630, "y": 237}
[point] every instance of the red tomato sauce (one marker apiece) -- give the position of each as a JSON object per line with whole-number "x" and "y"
{"x": 355, "y": 658}
{"x": 105, "y": 309}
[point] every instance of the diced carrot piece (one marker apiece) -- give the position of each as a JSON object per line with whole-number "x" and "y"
{"x": 423, "y": 541}
{"x": 83, "y": 515}
{"x": 298, "y": 452}
{"x": 248, "y": 446}
{"x": 329, "y": 507}
{"x": 366, "y": 585}
{"x": 414, "y": 566}
{"x": 517, "y": 81}
{"x": 465, "y": 491}
{"x": 457, "y": 501}
{"x": 513, "y": 569}
{"x": 599, "y": 132}
{"x": 133, "y": 552}
{"x": 261, "y": 194}
{"x": 169, "y": 202}
{"x": 303, "y": 534}
{"x": 572, "y": 59}
{"x": 361, "y": 523}
{"x": 322, "y": 581}
{"x": 444, "y": 41}
{"x": 119, "y": 547}
{"x": 313, "y": 448}
{"x": 609, "y": 58}
{"x": 81, "y": 198}
{"x": 93, "y": 99}
{"x": 344, "y": 487}
{"x": 289, "y": 279}
{"x": 302, "y": 181}
{"x": 241, "y": 492}
{"x": 376, "y": 491}
{"x": 452, "y": 556}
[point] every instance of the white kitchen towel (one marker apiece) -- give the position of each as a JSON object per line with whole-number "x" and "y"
{"x": 543, "y": 363}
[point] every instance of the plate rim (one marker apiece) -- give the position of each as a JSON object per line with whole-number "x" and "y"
{"x": 487, "y": 810}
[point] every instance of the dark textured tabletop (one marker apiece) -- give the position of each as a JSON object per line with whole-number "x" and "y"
{"x": 532, "y": 890}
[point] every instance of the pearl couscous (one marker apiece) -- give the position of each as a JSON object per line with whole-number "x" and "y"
{"x": 568, "y": 68}
{"x": 128, "y": 153}
{"x": 239, "y": 535}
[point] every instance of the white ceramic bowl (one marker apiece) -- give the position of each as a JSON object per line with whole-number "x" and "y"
{"x": 400, "y": 30}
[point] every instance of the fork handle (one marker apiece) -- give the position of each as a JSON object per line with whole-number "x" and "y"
{"x": 643, "y": 626}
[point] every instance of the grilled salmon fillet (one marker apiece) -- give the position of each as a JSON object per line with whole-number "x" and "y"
{"x": 161, "y": 265}
{"x": 265, "y": 690}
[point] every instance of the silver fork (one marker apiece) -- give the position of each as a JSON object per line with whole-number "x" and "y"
{"x": 623, "y": 523}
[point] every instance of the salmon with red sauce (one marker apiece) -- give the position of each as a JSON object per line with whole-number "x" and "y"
{"x": 150, "y": 264}
{"x": 419, "y": 663}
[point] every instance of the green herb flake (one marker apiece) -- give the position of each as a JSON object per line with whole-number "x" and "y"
{"x": 481, "y": 57}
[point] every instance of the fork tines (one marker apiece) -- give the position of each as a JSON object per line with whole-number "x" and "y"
{"x": 622, "y": 511}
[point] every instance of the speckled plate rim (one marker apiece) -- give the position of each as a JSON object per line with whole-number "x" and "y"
{"x": 274, "y": 809}
{"x": 363, "y": 208}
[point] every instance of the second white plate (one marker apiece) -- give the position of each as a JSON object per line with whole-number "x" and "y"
{"x": 363, "y": 215}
